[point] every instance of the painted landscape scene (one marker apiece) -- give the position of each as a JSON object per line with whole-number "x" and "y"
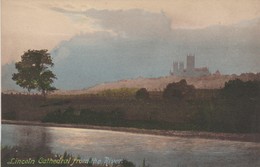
{"x": 133, "y": 83}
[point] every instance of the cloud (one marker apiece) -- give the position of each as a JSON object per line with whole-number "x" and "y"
{"x": 100, "y": 57}
{"x": 129, "y": 23}
{"x": 134, "y": 42}
{"x": 185, "y": 13}
{"x": 134, "y": 22}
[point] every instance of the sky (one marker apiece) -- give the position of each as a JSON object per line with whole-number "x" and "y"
{"x": 42, "y": 24}
{"x": 112, "y": 34}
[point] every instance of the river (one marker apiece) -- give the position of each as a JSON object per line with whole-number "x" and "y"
{"x": 158, "y": 151}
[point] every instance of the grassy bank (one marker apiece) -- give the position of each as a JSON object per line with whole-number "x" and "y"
{"x": 206, "y": 110}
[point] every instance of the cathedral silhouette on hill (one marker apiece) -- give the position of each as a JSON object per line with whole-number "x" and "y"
{"x": 190, "y": 71}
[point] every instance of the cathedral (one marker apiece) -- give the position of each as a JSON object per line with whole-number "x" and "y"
{"x": 191, "y": 70}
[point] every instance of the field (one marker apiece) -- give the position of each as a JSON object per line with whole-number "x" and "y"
{"x": 206, "y": 110}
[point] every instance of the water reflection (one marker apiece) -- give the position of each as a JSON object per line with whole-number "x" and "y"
{"x": 157, "y": 150}
{"x": 26, "y": 141}
{"x": 35, "y": 138}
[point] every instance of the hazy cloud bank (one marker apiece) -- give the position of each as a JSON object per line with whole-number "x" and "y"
{"x": 133, "y": 43}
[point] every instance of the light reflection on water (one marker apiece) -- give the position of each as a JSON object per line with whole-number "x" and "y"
{"x": 157, "y": 150}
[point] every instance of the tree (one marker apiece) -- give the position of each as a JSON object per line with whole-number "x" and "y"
{"x": 33, "y": 71}
{"x": 142, "y": 94}
{"x": 178, "y": 90}
{"x": 239, "y": 88}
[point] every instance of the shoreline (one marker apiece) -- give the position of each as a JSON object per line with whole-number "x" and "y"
{"x": 255, "y": 137}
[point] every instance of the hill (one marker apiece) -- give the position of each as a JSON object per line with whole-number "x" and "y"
{"x": 158, "y": 84}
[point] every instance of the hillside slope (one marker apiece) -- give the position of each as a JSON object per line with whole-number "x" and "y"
{"x": 158, "y": 84}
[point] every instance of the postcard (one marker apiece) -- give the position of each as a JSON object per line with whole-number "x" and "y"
{"x": 130, "y": 83}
